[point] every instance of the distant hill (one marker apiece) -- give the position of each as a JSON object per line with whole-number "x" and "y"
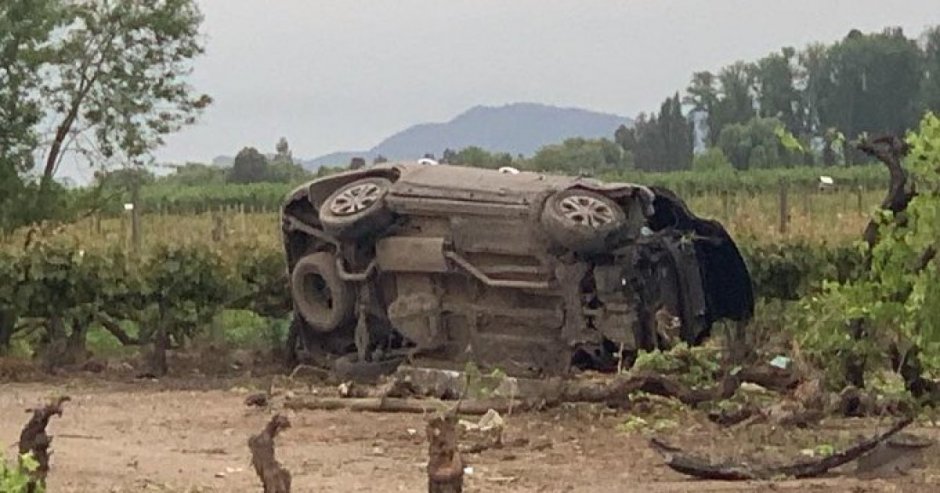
{"x": 518, "y": 128}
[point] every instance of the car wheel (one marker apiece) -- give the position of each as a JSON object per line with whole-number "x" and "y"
{"x": 324, "y": 300}
{"x": 581, "y": 220}
{"x": 357, "y": 209}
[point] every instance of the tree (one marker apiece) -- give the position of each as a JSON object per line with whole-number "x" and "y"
{"x": 870, "y": 83}
{"x": 898, "y": 296}
{"x": 777, "y": 97}
{"x": 119, "y": 74}
{"x": 480, "y": 158}
{"x": 812, "y": 77}
{"x": 283, "y": 152}
{"x": 577, "y": 156}
{"x": 759, "y": 143}
{"x": 195, "y": 174}
{"x": 659, "y": 143}
{"x": 736, "y": 104}
{"x": 25, "y": 30}
{"x": 930, "y": 85}
{"x": 702, "y": 95}
{"x": 250, "y": 166}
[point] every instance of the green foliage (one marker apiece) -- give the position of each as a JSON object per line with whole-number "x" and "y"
{"x": 188, "y": 199}
{"x": 250, "y": 166}
{"x": 25, "y": 30}
{"x": 659, "y": 142}
{"x": 102, "y": 79}
{"x": 795, "y": 270}
{"x": 712, "y": 160}
{"x": 194, "y": 175}
{"x": 479, "y": 158}
{"x": 899, "y": 297}
{"x": 17, "y": 478}
{"x": 759, "y": 143}
{"x": 263, "y": 280}
{"x": 131, "y": 89}
{"x": 688, "y": 183}
{"x": 697, "y": 366}
{"x": 577, "y": 156}
{"x": 185, "y": 288}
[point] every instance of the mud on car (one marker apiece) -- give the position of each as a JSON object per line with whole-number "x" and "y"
{"x": 534, "y": 274}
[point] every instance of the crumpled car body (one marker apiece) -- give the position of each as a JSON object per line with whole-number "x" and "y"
{"x": 531, "y": 273}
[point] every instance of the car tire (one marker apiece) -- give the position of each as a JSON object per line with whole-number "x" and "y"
{"x": 581, "y": 220}
{"x": 325, "y": 301}
{"x": 357, "y": 209}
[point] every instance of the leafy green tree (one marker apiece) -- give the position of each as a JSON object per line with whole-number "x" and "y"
{"x": 812, "y": 75}
{"x": 736, "y": 103}
{"x": 930, "y": 85}
{"x": 195, "y": 174}
{"x": 480, "y": 158}
{"x": 871, "y": 83}
{"x": 579, "y": 155}
{"x": 659, "y": 142}
{"x": 777, "y": 97}
{"x": 25, "y": 38}
{"x": 283, "y": 153}
{"x": 285, "y": 172}
{"x": 119, "y": 75}
{"x": 759, "y": 143}
{"x": 899, "y": 296}
{"x": 250, "y": 166}
{"x": 702, "y": 95}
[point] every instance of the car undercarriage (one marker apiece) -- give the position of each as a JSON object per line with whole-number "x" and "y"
{"x": 529, "y": 273}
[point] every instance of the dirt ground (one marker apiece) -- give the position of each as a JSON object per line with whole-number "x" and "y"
{"x": 177, "y": 436}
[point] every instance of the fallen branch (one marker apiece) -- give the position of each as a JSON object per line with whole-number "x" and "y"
{"x": 35, "y": 441}
{"x": 398, "y": 405}
{"x": 618, "y": 389}
{"x": 274, "y": 478}
{"x": 701, "y": 468}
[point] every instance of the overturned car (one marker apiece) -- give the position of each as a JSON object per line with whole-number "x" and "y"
{"x": 534, "y": 274}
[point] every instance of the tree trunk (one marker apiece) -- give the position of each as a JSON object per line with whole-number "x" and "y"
{"x": 75, "y": 352}
{"x": 54, "y": 347}
{"x": 445, "y": 466}
{"x": 161, "y": 342}
{"x": 7, "y": 325}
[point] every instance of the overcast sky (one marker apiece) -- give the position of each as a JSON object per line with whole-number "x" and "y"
{"x": 343, "y": 74}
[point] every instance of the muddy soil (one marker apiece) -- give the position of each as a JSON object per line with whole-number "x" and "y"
{"x": 186, "y": 436}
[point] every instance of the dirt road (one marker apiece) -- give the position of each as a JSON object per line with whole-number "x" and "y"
{"x": 145, "y": 436}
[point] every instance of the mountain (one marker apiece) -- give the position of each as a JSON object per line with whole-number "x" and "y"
{"x": 518, "y": 128}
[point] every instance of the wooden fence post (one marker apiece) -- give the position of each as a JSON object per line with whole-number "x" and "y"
{"x": 784, "y": 208}
{"x": 858, "y": 197}
{"x": 726, "y": 204}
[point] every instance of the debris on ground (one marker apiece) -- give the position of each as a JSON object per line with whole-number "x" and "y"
{"x": 477, "y": 436}
{"x": 897, "y": 455}
{"x": 699, "y": 467}
{"x": 274, "y": 477}
{"x": 257, "y": 400}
